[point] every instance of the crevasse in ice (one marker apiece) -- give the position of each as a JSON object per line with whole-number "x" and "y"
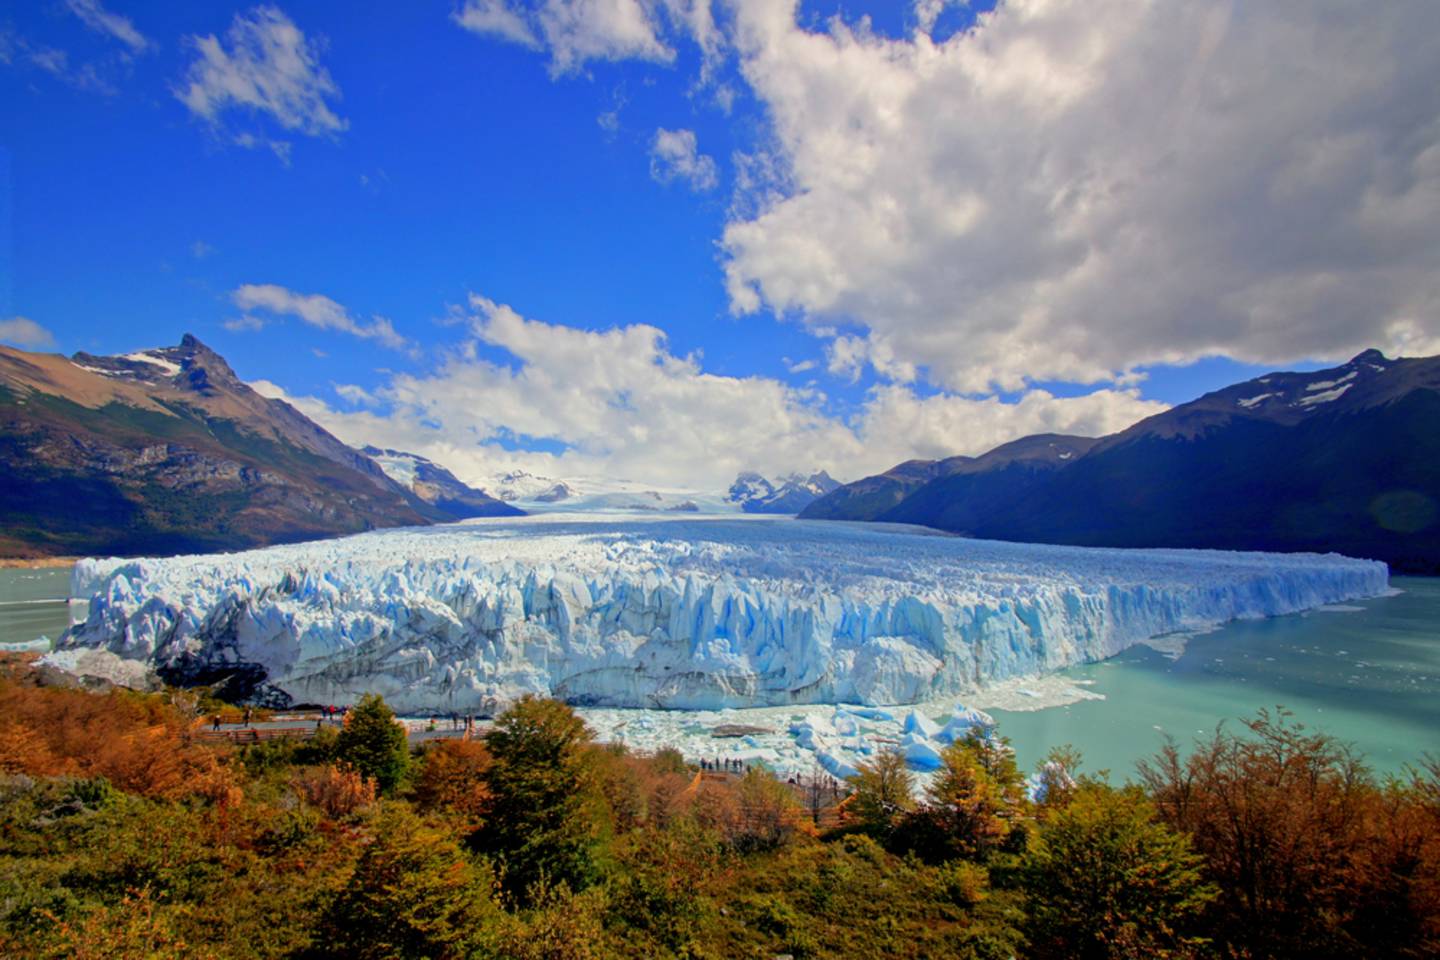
{"x": 696, "y": 613}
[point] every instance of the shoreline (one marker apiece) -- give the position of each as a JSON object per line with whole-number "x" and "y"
{"x": 37, "y": 563}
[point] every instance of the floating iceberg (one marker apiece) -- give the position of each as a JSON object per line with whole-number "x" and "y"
{"x": 693, "y": 613}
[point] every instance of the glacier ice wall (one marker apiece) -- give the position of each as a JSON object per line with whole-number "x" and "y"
{"x": 677, "y": 613}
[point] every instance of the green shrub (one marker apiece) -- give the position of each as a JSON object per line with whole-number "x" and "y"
{"x": 1106, "y": 879}
{"x": 546, "y": 817}
{"x": 374, "y": 744}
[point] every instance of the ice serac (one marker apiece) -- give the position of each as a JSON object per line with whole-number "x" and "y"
{"x": 661, "y": 612}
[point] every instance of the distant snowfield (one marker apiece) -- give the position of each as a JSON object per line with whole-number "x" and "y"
{"x": 607, "y": 495}
{"x": 672, "y": 612}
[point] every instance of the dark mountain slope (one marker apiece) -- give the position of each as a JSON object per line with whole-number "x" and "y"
{"x": 1006, "y": 475}
{"x": 167, "y": 451}
{"x": 1346, "y": 459}
{"x": 868, "y": 498}
{"x": 1363, "y": 482}
{"x": 882, "y": 496}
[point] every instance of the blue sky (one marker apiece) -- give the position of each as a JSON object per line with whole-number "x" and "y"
{"x": 865, "y": 231}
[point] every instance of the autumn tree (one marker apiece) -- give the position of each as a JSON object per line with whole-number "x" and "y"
{"x": 883, "y": 791}
{"x": 452, "y": 778}
{"x": 374, "y": 743}
{"x": 138, "y": 742}
{"x": 1105, "y": 879}
{"x": 1276, "y": 816}
{"x": 972, "y": 805}
{"x": 339, "y": 791}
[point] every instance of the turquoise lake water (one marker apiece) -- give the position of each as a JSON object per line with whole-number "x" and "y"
{"x": 1367, "y": 672}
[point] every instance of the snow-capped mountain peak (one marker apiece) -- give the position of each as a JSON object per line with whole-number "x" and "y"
{"x": 788, "y": 494}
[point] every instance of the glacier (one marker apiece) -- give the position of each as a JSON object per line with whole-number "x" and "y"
{"x": 696, "y": 613}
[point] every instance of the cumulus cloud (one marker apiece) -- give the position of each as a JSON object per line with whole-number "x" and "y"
{"x": 619, "y": 403}
{"x": 578, "y": 31}
{"x": 314, "y": 309}
{"x": 26, "y": 333}
{"x": 674, "y": 156}
{"x": 1074, "y": 188}
{"x": 266, "y": 65}
{"x": 121, "y": 28}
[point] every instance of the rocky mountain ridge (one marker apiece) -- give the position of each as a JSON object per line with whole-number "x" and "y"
{"x": 167, "y": 451}
{"x": 791, "y": 493}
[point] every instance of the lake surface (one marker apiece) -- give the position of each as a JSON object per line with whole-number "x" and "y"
{"x": 1367, "y": 672}
{"x": 33, "y": 603}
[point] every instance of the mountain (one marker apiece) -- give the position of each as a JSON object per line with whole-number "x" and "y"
{"x": 600, "y": 494}
{"x": 754, "y": 494}
{"x": 519, "y": 485}
{"x": 167, "y": 451}
{"x": 437, "y": 486}
{"x": 1345, "y": 459}
{"x": 877, "y": 496}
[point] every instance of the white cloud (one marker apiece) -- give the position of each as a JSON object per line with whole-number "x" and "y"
{"x": 848, "y": 356}
{"x": 356, "y": 395}
{"x": 576, "y": 32}
{"x": 248, "y": 323}
{"x": 674, "y": 156}
{"x": 200, "y": 249}
{"x": 271, "y": 68}
{"x": 97, "y": 18}
{"x": 315, "y": 309}
{"x": 1074, "y": 188}
{"x": 905, "y": 425}
{"x": 623, "y": 405}
{"x": 24, "y": 332}
{"x": 496, "y": 17}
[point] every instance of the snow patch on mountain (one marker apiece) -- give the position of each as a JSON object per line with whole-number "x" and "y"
{"x": 1326, "y": 397}
{"x": 400, "y": 467}
{"x": 170, "y": 367}
{"x": 1329, "y": 384}
{"x": 668, "y": 612}
{"x": 792, "y": 493}
{"x": 519, "y": 485}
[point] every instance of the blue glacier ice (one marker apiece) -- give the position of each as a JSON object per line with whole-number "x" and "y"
{"x": 692, "y": 613}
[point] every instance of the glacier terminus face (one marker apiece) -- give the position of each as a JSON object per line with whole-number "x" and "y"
{"x": 661, "y": 612}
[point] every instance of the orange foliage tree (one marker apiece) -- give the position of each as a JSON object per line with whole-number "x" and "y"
{"x": 1312, "y": 858}
{"x": 452, "y": 778}
{"x": 340, "y": 791}
{"x": 139, "y": 742}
